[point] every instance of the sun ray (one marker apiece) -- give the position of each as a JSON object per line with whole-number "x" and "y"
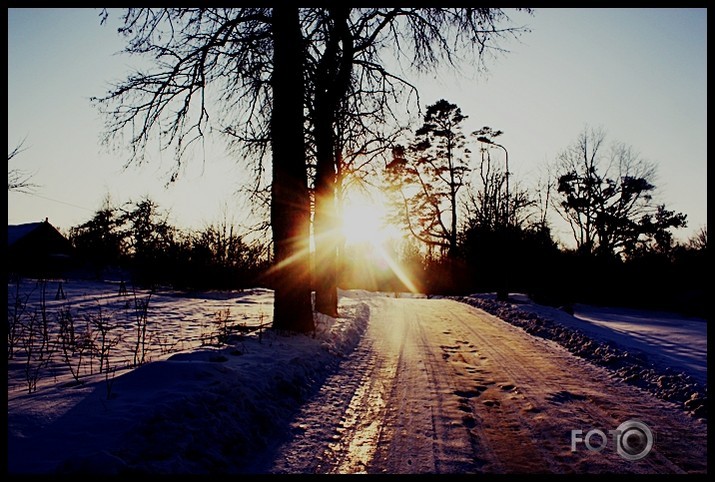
{"x": 370, "y": 243}
{"x": 397, "y": 269}
{"x": 289, "y": 260}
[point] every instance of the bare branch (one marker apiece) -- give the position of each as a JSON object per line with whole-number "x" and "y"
{"x": 17, "y": 179}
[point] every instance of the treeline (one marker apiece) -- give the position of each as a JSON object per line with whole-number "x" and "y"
{"x": 139, "y": 239}
{"x": 477, "y": 233}
{"x": 529, "y": 261}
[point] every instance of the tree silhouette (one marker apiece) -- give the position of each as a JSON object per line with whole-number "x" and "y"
{"x": 139, "y": 237}
{"x": 238, "y": 71}
{"x": 699, "y": 240}
{"x": 151, "y": 239}
{"x": 607, "y": 197}
{"x": 290, "y": 200}
{"x": 431, "y": 175}
{"x": 100, "y": 239}
{"x": 354, "y": 84}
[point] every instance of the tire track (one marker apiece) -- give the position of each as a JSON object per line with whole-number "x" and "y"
{"x": 539, "y": 392}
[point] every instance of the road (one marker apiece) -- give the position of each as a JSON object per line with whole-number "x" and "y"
{"x": 437, "y": 386}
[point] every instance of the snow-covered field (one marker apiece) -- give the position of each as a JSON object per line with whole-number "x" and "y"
{"x": 199, "y": 406}
{"x": 133, "y": 327}
{"x": 241, "y": 388}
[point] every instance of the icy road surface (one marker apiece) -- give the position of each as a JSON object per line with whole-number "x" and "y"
{"x": 437, "y": 386}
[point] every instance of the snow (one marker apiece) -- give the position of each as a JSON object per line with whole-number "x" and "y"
{"x": 664, "y": 353}
{"x": 243, "y": 388}
{"x": 666, "y": 338}
{"x": 671, "y": 340}
{"x": 199, "y": 406}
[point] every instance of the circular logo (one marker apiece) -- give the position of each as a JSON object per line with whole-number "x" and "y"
{"x": 635, "y": 440}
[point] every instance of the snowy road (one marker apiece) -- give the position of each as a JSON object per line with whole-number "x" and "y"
{"x": 437, "y": 386}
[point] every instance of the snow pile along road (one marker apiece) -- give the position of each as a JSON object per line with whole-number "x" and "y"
{"x": 246, "y": 409}
{"x": 632, "y": 367}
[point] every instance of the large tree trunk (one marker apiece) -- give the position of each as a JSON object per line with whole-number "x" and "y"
{"x": 290, "y": 201}
{"x": 326, "y": 226}
{"x": 335, "y": 68}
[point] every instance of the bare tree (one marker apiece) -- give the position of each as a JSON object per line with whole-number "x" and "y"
{"x": 489, "y": 204}
{"x": 486, "y": 200}
{"x": 581, "y": 157}
{"x": 290, "y": 213}
{"x": 699, "y": 240}
{"x": 544, "y": 189}
{"x": 606, "y": 196}
{"x": 238, "y": 71}
{"x": 352, "y": 68}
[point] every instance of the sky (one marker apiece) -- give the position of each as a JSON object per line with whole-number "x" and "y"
{"x": 198, "y": 408}
{"x": 640, "y": 74}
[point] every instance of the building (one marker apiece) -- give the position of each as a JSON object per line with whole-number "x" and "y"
{"x": 38, "y": 250}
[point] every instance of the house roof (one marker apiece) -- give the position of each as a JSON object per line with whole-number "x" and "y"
{"x": 30, "y": 234}
{"x": 19, "y": 231}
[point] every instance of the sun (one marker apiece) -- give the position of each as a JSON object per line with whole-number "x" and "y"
{"x": 364, "y": 220}
{"x": 372, "y": 241}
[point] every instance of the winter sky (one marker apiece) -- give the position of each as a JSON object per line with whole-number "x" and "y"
{"x": 638, "y": 73}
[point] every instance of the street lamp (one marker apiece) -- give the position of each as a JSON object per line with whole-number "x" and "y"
{"x": 486, "y": 140}
{"x": 502, "y": 294}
